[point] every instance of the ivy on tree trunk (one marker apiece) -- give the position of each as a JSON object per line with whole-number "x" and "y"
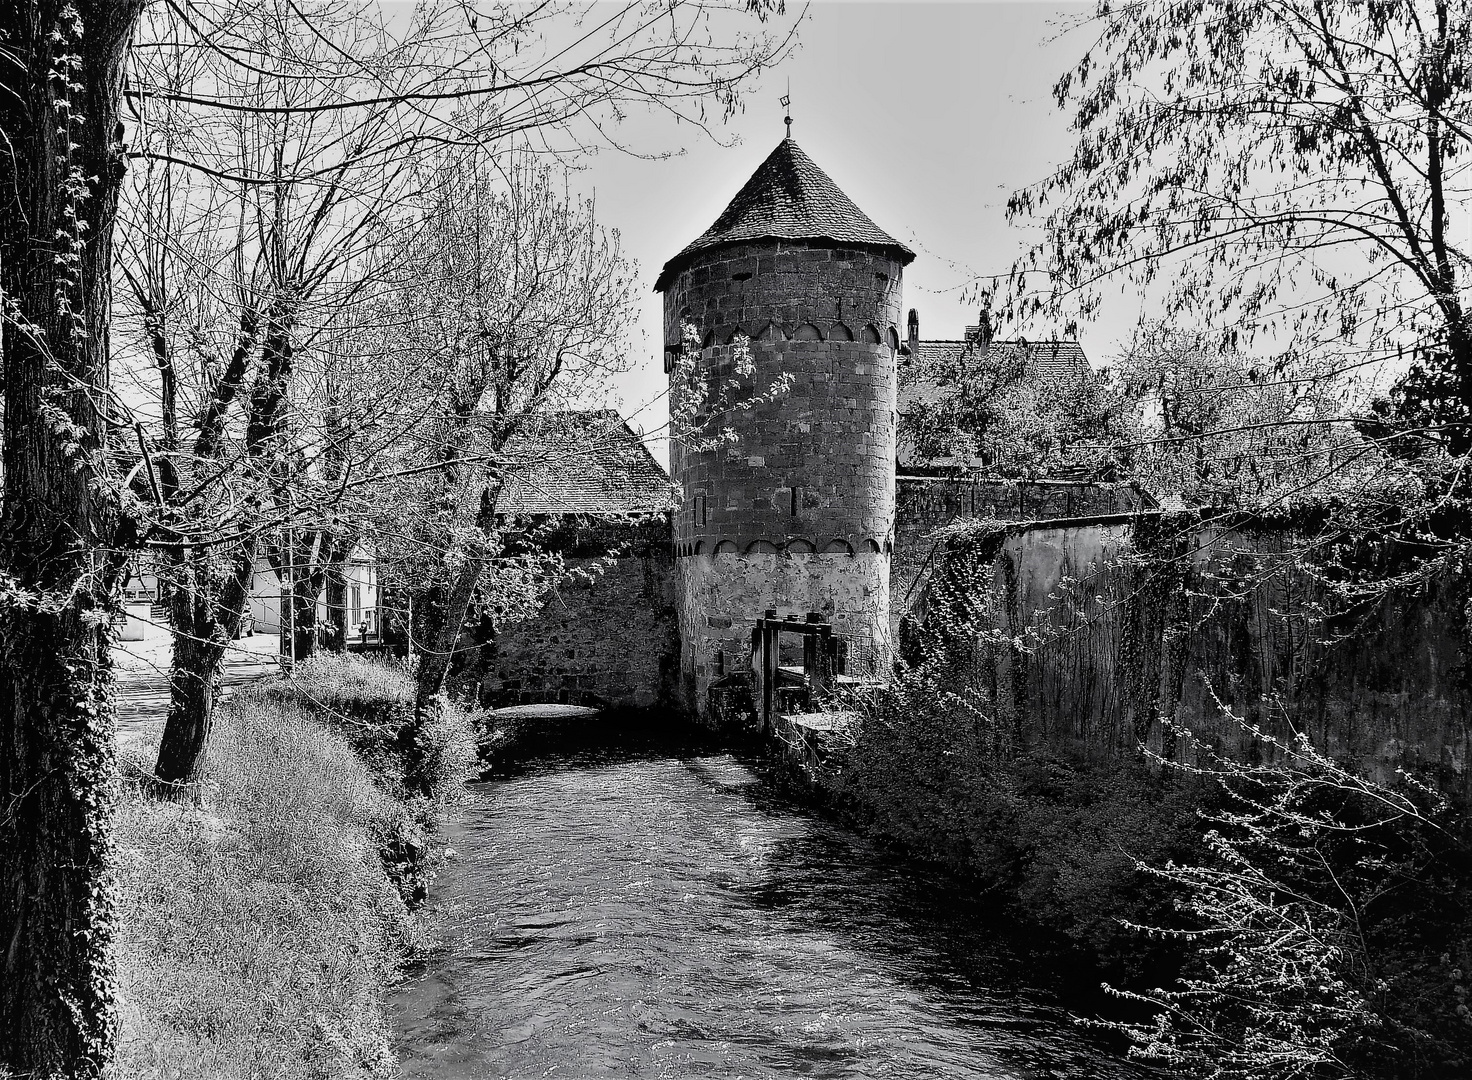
{"x": 61, "y": 162}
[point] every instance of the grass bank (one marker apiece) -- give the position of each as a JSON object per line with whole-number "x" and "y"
{"x": 258, "y": 934}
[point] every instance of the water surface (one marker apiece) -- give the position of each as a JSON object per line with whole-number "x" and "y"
{"x": 670, "y": 917}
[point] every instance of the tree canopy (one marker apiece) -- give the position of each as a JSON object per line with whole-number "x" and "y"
{"x": 1288, "y": 173}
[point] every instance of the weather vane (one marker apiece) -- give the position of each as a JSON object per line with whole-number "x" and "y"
{"x": 787, "y": 104}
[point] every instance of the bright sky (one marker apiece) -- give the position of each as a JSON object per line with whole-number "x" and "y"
{"x": 927, "y": 114}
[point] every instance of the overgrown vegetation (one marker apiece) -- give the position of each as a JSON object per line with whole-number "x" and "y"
{"x": 1328, "y": 925}
{"x": 257, "y": 934}
{"x": 1281, "y": 918}
{"x": 1062, "y": 835}
{"x": 422, "y": 766}
{"x": 371, "y": 704}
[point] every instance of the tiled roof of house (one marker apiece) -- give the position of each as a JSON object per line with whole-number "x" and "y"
{"x": 923, "y": 378}
{"x": 787, "y": 198}
{"x": 583, "y": 462}
{"x": 1046, "y": 360}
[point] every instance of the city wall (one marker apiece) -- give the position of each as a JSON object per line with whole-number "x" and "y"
{"x": 604, "y": 635}
{"x": 1091, "y": 635}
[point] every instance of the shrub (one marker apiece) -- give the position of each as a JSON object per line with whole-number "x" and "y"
{"x": 371, "y": 703}
{"x": 1332, "y": 925}
{"x": 255, "y": 937}
{"x": 1060, "y": 834}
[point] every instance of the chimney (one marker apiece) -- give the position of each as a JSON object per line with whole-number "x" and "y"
{"x": 914, "y": 333}
{"x": 984, "y": 324}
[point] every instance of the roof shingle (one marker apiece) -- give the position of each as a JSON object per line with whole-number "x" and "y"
{"x": 787, "y": 198}
{"x": 581, "y": 462}
{"x": 921, "y": 381}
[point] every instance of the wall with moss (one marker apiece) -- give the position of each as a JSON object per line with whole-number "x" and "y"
{"x": 1089, "y": 635}
{"x": 924, "y": 504}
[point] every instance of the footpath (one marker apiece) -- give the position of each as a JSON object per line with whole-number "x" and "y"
{"x": 143, "y": 679}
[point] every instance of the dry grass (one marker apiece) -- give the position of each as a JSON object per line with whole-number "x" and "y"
{"x": 370, "y": 701}
{"x": 256, "y": 936}
{"x": 348, "y": 682}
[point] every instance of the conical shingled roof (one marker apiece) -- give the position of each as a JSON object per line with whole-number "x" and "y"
{"x": 787, "y": 198}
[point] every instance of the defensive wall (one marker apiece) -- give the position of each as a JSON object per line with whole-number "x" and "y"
{"x": 1090, "y": 633}
{"x": 924, "y": 504}
{"x": 604, "y": 634}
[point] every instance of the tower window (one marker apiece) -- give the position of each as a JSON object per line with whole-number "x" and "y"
{"x": 697, "y": 512}
{"x": 796, "y": 500}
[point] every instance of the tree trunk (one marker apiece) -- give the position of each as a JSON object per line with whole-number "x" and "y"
{"x": 192, "y": 677}
{"x": 61, "y": 69}
{"x": 298, "y": 619}
{"x": 439, "y": 619}
{"x": 439, "y": 632}
{"x": 304, "y": 616}
{"x": 337, "y": 605}
{"x": 206, "y": 616}
{"x": 304, "y": 570}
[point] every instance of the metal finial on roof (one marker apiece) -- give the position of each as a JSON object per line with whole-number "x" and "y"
{"x": 787, "y": 104}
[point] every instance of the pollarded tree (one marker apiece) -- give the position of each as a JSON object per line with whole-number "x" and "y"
{"x": 317, "y": 118}
{"x": 292, "y": 191}
{"x": 511, "y": 301}
{"x": 1291, "y": 171}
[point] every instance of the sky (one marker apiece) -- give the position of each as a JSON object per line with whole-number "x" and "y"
{"x": 928, "y": 115}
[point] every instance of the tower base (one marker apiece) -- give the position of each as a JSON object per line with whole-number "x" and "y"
{"x": 722, "y": 595}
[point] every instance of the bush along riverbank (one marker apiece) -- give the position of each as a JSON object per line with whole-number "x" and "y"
{"x": 258, "y": 932}
{"x": 1283, "y": 917}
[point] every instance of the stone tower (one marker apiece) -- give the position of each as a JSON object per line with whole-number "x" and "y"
{"x": 796, "y": 511}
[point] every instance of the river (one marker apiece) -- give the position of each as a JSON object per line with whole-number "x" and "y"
{"x": 640, "y": 915}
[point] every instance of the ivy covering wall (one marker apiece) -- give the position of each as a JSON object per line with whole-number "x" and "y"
{"x": 1089, "y": 636}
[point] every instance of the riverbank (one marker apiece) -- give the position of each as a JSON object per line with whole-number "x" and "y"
{"x": 1247, "y": 873}
{"x": 257, "y": 934}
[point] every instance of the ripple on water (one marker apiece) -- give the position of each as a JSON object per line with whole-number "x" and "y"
{"x": 669, "y": 918}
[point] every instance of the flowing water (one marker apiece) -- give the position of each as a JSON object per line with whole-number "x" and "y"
{"x": 656, "y": 916}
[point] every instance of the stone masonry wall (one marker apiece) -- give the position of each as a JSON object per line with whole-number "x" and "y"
{"x": 721, "y": 596}
{"x": 1113, "y": 626}
{"x": 610, "y": 640}
{"x": 814, "y": 465}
